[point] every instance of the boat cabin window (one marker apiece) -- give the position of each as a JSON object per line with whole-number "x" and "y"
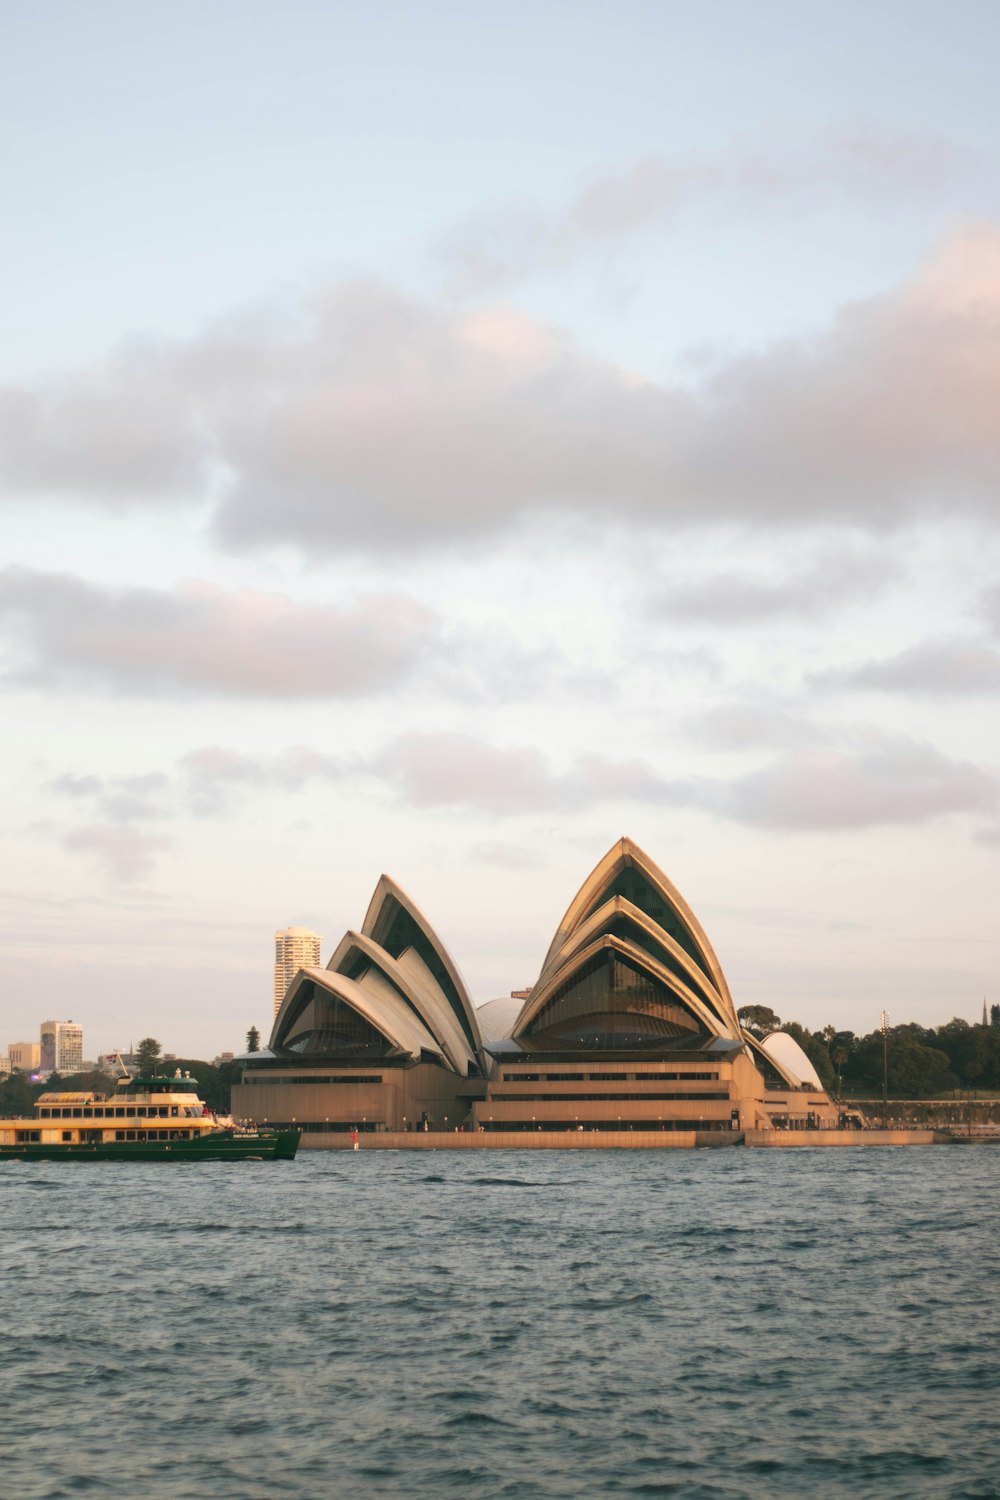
{"x": 67, "y": 1135}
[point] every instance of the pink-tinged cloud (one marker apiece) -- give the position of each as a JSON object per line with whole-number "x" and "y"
{"x": 370, "y": 420}
{"x": 896, "y": 782}
{"x": 199, "y": 638}
{"x": 878, "y": 783}
{"x": 429, "y": 770}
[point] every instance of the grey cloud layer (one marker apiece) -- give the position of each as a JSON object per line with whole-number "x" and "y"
{"x": 200, "y": 638}
{"x": 369, "y": 420}
{"x": 947, "y": 668}
{"x": 879, "y": 783}
{"x": 812, "y": 588}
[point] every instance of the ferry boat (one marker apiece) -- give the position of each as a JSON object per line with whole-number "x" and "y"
{"x": 145, "y": 1119}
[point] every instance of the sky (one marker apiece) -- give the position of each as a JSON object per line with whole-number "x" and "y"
{"x": 442, "y": 439}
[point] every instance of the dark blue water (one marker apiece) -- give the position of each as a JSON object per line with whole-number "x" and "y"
{"x": 698, "y": 1324}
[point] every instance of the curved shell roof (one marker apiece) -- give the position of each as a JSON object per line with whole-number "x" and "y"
{"x": 627, "y": 905}
{"x": 409, "y": 977}
{"x": 397, "y": 975}
{"x": 626, "y": 868}
{"x": 688, "y": 1000}
{"x": 386, "y": 1011}
{"x": 785, "y": 1051}
{"x": 396, "y": 923}
{"x": 628, "y": 944}
{"x": 643, "y": 931}
{"x": 496, "y": 1018}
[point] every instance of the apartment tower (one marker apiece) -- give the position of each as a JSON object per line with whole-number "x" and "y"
{"x": 295, "y": 948}
{"x": 61, "y": 1047}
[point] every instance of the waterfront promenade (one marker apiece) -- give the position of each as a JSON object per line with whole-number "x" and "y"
{"x": 603, "y": 1140}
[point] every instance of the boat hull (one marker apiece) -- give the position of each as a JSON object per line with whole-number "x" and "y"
{"x": 221, "y": 1145}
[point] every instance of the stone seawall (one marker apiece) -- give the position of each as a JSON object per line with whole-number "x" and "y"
{"x": 520, "y": 1140}
{"x": 781, "y": 1138}
{"x": 605, "y": 1140}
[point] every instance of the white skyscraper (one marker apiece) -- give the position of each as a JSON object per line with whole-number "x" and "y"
{"x": 294, "y": 948}
{"x": 61, "y": 1047}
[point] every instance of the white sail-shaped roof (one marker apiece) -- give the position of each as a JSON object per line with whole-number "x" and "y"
{"x": 496, "y": 1018}
{"x": 673, "y": 915}
{"x": 620, "y": 912}
{"x": 671, "y": 988}
{"x": 409, "y": 977}
{"x": 380, "y": 1006}
{"x": 785, "y": 1052}
{"x": 396, "y": 924}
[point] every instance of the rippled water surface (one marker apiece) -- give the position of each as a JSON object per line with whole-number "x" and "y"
{"x": 684, "y": 1323}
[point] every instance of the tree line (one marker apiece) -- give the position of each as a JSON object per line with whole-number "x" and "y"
{"x": 923, "y": 1062}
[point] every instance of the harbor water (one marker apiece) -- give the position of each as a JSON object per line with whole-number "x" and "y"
{"x": 699, "y": 1324}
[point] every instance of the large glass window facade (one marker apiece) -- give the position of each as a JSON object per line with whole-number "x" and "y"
{"x": 610, "y": 1005}
{"x": 633, "y": 885}
{"x": 325, "y": 1026}
{"x": 626, "y": 928}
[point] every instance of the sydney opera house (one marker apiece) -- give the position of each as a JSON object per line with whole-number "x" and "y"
{"x": 629, "y": 1027}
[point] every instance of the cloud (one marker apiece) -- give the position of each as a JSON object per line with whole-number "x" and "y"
{"x": 118, "y": 799}
{"x": 989, "y": 608}
{"x": 127, "y": 854}
{"x": 369, "y": 420}
{"x": 753, "y": 724}
{"x": 881, "y": 783}
{"x": 892, "y": 782}
{"x": 947, "y": 668}
{"x": 877, "y": 783}
{"x": 431, "y": 770}
{"x": 212, "y": 775}
{"x": 812, "y": 589}
{"x": 501, "y": 246}
{"x": 199, "y": 638}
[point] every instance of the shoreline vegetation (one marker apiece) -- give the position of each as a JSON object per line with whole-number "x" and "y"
{"x": 942, "y": 1062}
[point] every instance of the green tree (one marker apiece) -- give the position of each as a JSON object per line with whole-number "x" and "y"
{"x": 213, "y": 1084}
{"x": 147, "y": 1056}
{"x": 916, "y": 1071}
{"x": 758, "y": 1019}
{"x": 17, "y": 1097}
{"x": 253, "y": 1040}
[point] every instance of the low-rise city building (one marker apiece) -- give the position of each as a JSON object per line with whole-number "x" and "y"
{"x": 25, "y": 1057}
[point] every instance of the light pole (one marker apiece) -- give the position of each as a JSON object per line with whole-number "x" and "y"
{"x": 885, "y": 1069}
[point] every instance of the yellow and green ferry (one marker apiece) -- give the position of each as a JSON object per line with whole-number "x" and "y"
{"x": 145, "y": 1119}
